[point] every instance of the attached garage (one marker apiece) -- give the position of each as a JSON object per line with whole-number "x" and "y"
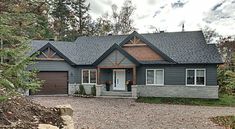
{"x": 54, "y": 83}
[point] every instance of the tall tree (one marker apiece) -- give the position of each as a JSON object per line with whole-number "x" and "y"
{"x": 70, "y": 19}
{"x": 122, "y": 21}
{"x": 227, "y": 49}
{"x": 16, "y": 18}
{"x": 210, "y": 35}
{"x": 61, "y": 17}
{"x": 103, "y": 26}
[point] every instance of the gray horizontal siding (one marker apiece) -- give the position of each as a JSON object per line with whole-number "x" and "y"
{"x": 116, "y": 57}
{"x": 107, "y": 75}
{"x": 175, "y": 74}
{"x": 57, "y": 66}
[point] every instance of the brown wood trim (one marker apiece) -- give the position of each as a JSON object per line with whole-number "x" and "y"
{"x": 134, "y": 75}
{"x": 115, "y": 66}
{"x": 44, "y": 54}
{"x": 135, "y": 40}
{"x": 98, "y": 75}
{"x": 134, "y": 45}
{"x": 121, "y": 60}
{"x": 110, "y": 61}
{"x": 53, "y": 54}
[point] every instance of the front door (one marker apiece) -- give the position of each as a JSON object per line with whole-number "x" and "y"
{"x": 119, "y": 79}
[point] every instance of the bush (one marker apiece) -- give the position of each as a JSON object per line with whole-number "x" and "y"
{"x": 76, "y": 92}
{"x": 226, "y": 81}
{"x": 82, "y": 90}
{"x": 93, "y": 90}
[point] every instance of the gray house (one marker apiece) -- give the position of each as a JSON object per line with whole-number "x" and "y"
{"x": 167, "y": 64}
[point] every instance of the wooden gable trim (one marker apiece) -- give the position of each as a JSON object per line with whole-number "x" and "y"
{"x": 110, "y": 50}
{"x": 49, "y": 55}
{"x": 154, "y": 48}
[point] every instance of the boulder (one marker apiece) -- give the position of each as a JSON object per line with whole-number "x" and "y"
{"x": 68, "y": 121}
{"x": 46, "y": 126}
{"x": 65, "y": 110}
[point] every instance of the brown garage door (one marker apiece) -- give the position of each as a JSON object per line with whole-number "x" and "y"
{"x": 54, "y": 83}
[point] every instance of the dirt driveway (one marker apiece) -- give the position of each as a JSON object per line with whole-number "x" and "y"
{"x": 102, "y": 113}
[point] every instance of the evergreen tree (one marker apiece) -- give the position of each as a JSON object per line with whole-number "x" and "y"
{"x": 61, "y": 14}
{"x": 16, "y": 19}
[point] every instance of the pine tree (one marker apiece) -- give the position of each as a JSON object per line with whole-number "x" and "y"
{"x": 61, "y": 17}
{"x": 71, "y": 19}
{"x": 16, "y": 18}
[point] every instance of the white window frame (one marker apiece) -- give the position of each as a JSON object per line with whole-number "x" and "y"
{"x": 195, "y": 76}
{"x": 89, "y": 78}
{"x": 154, "y": 77}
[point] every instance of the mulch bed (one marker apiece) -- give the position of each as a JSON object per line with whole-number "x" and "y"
{"x": 20, "y": 112}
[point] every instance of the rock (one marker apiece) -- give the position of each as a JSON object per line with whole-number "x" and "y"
{"x": 68, "y": 121}
{"x": 65, "y": 110}
{"x": 46, "y": 126}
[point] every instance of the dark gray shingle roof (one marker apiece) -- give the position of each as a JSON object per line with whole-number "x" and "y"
{"x": 182, "y": 47}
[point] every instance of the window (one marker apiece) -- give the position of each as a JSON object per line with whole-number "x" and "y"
{"x": 195, "y": 77}
{"x": 154, "y": 77}
{"x": 88, "y": 76}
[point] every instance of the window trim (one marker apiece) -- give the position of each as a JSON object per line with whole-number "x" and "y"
{"x": 154, "y": 73}
{"x": 89, "y": 78}
{"x": 195, "y": 76}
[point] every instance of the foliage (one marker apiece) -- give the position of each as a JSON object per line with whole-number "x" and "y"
{"x": 224, "y": 100}
{"x": 226, "y": 81}
{"x": 122, "y": 23}
{"x": 210, "y": 35}
{"x": 70, "y": 19}
{"x": 227, "y": 49}
{"x": 81, "y": 90}
{"x": 16, "y": 20}
{"x": 103, "y": 26}
{"x": 76, "y": 92}
{"x": 226, "y": 121}
{"x": 93, "y": 90}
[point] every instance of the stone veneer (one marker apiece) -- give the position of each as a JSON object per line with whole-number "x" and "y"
{"x": 178, "y": 91}
{"x": 73, "y": 87}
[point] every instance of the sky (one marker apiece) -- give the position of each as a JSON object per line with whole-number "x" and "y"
{"x": 169, "y": 15}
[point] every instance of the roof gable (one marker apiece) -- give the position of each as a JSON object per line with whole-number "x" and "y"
{"x": 135, "y": 37}
{"x": 56, "y": 51}
{"x": 110, "y": 50}
{"x": 49, "y": 54}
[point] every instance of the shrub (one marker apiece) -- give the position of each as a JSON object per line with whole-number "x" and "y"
{"x": 76, "y": 92}
{"x": 93, "y": 90}
{"x": 82, "y": 90}
{"x": 226, "y": 81}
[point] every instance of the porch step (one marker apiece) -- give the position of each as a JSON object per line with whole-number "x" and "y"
{"x": 116, "y": 93}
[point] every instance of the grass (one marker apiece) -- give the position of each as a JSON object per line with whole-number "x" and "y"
{"x": 226, "y": 121}
{"x": 224, "y": 100}
{"x": 2, "y": 98}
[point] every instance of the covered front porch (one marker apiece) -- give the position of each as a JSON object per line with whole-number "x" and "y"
{"x": 116, "y": 71}
{"x": 116, "y": 78}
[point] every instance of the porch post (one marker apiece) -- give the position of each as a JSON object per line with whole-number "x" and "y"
{"x": 98, "y": 75}
{"x": 134, "y": 75}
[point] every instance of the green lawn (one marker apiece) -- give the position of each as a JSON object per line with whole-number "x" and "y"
{"x": 226, "y": 121}
{"x": 224, "y": 100}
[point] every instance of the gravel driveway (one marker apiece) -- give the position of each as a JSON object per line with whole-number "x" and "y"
{"x": 103, "y": 113}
